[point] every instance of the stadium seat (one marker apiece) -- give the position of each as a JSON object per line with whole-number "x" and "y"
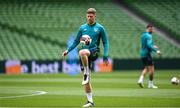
{"x": 40, "y": 30}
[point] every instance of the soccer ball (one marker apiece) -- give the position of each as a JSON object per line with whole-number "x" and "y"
{"x": 85, "y": 39}
{"x": 175, "y": 81}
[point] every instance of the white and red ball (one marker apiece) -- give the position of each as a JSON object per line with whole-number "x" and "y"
{"x": 85, "y": 39}
{"x": 175, "y": 81}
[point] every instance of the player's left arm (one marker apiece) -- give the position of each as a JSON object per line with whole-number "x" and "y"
{"x": 105, "y": 44}
{"x": 152, "y": 46}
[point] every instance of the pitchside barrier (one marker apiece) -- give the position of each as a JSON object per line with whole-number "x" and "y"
{"x": 57, "y": 66}
{"x": 34, "y": 66}
{"x": 133, "y": 64}
{"x": 50, "y": 66}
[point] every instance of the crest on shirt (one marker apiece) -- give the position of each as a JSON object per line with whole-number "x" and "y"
{"x": 85, "y": 29}
{"x": 95, "y": 29}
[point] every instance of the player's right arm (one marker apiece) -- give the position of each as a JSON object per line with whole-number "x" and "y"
{"x": 75, "y": 43}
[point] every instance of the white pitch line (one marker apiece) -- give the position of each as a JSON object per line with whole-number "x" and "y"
{"x": 28, "y": 95}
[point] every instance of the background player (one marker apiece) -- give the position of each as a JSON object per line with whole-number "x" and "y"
{"x": 147, "y": 47}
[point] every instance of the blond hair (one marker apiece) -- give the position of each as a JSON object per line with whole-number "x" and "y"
{"x": 91, "y": 10}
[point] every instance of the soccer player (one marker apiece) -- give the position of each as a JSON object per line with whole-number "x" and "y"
{"x": 91, "y": 52}
{"x": 147, "y": 47}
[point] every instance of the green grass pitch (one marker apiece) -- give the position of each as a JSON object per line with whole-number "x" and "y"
{"x": 116, "y": 89}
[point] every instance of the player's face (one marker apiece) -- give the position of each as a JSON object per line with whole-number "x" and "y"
{"x": 90, "y": 18}
{"x": 151, "y": 29}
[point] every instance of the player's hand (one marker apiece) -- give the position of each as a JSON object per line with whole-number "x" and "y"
{"x": 105, "y": 60}
{"x": 64, "y": 53}
{"x": 158, "y": 52}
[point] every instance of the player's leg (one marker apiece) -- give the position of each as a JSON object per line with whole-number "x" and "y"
{"x": 143, "y": 73}
{"x": 141, "y": 78}
{"x": 151, "y": 77}
{"x": 88, "y": 90}
{"x": 151, "y": 72}
{"x": 84, "y": 54}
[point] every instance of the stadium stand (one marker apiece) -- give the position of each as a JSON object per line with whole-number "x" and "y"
{"x": 39, "y": 30}
{"x": 165, "y": 13}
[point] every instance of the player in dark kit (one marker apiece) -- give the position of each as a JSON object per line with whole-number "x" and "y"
{"x": 147, "y": 47}
{"x": 89, "y": 53}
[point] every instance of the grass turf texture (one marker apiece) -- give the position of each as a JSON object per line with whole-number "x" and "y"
{"x": 117, "y": 89}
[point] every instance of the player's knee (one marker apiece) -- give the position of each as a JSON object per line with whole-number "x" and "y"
{"x": 151, "y": 70}
{"x": 84, "y": 52}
